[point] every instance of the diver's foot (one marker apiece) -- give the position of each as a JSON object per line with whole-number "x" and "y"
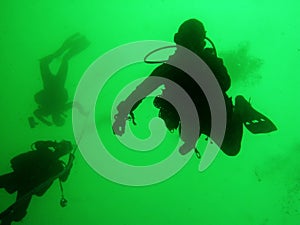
{"x": 254, "y": 121}
{"x": 81, "y": 44}
{"x": 69, "y": 42}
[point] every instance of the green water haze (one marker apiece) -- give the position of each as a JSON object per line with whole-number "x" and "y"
{"x": 259, "y": 43}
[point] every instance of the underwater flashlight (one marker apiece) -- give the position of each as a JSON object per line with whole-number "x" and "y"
{"x": 63, "y": 202}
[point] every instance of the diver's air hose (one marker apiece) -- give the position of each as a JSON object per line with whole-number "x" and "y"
{"x": 154, "y": 51}
{"x": 212, "y": 45}
{"x": 172, "y": 46}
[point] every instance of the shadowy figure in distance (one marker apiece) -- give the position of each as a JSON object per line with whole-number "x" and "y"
{"x": 33, "y": 174}
{"x": 53, "y": 99}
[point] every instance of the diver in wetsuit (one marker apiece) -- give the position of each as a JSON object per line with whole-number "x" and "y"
{"x": 33, "y": 174}
{"x": 53, "y": 99}
{"x": 191, "y": 35}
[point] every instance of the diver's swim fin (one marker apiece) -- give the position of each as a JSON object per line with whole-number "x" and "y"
{"x": 78, "y": 46}
{"x": 254, "y": 121}
{"x": 71, "y": 40}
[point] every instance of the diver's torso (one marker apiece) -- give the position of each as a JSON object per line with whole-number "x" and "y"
{"x": 190, "y": 86}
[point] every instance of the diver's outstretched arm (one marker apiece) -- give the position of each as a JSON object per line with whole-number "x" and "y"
{"x": 126, "y": 107}
{"x": 39, "y": 115}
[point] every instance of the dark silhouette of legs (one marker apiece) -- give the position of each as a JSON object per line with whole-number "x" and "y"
{"x": 231, "y": 144}
{"x": 53, "y": 98}
{"x": 9, "y": 182}
{"x": 18, "y": 210}
{"x": 72, "y": 46}
{"x": 78, "y": 44}
{"x": 243, "y": 114}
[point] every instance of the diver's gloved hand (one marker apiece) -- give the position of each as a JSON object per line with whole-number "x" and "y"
{"x": 120, "y": 119}
{"x": 119, "y": 124}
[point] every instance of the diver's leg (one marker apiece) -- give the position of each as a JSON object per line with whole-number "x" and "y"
{"x": 46, "y": 61}
{"x": 45, "y": 70}
{"x": 61, "y": 75}
{"x": 78, "y": 44}
{"x": 6, "y": 216}
{"x": 22, "y": 203}
{"x": 5, "y": 221}
{"x": 8, "y": 182}
{"x": 16, "y": 211}
{"x": 234, "y": 130}
{"x": 233, "y": 136}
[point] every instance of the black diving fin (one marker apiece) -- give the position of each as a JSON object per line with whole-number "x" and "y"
{"x": 253, "y": 120}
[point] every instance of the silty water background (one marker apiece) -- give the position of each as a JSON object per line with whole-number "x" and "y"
{"x": 258, "y": 41}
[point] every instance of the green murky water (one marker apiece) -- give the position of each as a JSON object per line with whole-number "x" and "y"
{"x": 258, "y": 41}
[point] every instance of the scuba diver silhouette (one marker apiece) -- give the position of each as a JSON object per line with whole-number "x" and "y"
{"x": 191, "y": 35}
{"x": 52, "y": 100}
{"x": 33, "y": 174}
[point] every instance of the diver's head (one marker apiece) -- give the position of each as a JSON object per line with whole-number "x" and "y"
{"x": 191, "y": 34}
{"x": 58, "y": 119}
{"x": 63, "y": 148}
